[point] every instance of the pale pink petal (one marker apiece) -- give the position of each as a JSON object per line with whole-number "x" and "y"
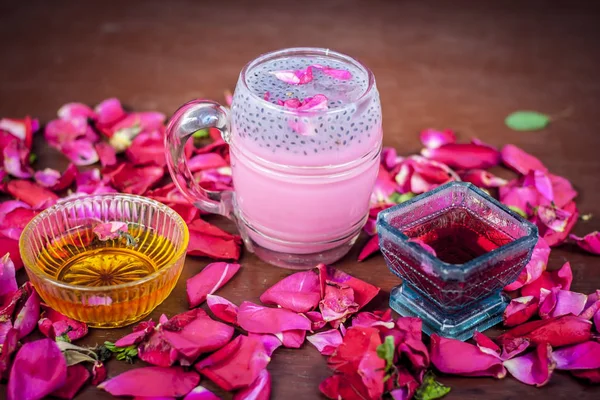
{"x": 520, "y": 310}
{"x": 553, "y": 218}
{"x": 371, "y": 247}
{"x": 271, "y": 342}
{"x": 38, "y": 369}
{"x": 316, "y": 320}
{"x": 326, "y": 342}
{"x": 317, "y": 102}
{"x": 377, "y": 319}
{"x": 564, "y": 302}
{"x": 580, "y": 356}
{"x": 534, "y": 368}
{"x": 295, "y": 77}
{"x": 208, "y": 281}
{"x": 482, "y": 178}
{"x": 80, "y": 152}
{"x": 260, "y": 389}
{"x": 589, "y": 243}
{"x": 8, "y": 282}
{"x": 534, "y": 268}
{"x": 384, "y": 187}
{"x": 76, "y": 110}
{"x": 222, "y": 308}
{"x": 464, "y": 155}
{"x": 561, "y": 278}
{"x": 201, "y": 393}
{"x": 152, "y": 381}
{"x": 520, "y": 161}
{"x": 432, "y": 138}
{"x": 341, "y": 74}
{"x": 110, "y": 230}
{"x": 299, "y": 292}
{"x": 542, "y": 183}
{"x": 258, "y": 319}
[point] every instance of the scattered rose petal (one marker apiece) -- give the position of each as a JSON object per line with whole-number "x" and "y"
{"x": 371, "y": 247}
{"x": 80, "y": 152}
{"x": 471, "y": 362}
{"x": 27, "y": 317}
{"x": 376, "y": 319}
{"x": 38, "y": 370}
{"x": 110, "y": 230}
{"x": 589, "y": 243}
{"x": 237, "y": 364}
{"x": 555, "y": 237}
{"x": 10, "y": 344}
{"x": 542, "y": 183}
{"x": 534, "y": 268}
{"x": 556, "y": 331}
{"x": 16, "y": 160}
{"x": 109, "y": 112}
{"x": 292, "y": 339}
{"x": 206, "y": 161}
{"x": 22, "y": 129}
{"x": 208, "y": 240}
{"x": 561, "y": 278}
{"x": 590, "y": 375}
{"x": 520, "y": 310}
{"x": 534, "y": 368}
{"x": 553, "y": 218}
{"x": 76, "y": 110}
{"x": 326, "y": 342}
{"x": 299, "y": 292}
{"x": 556, "y": 302}
{"x": 520, "y": 161}
{"x": 106, "y": 154}
{"x": 464, "y": 155}
{"x": 258, "y": 319}
{"x": 317, "y": 102}
{"x": 77, "y": 376}
{"x": 53, "y": 180}
{"x": 99, "y": 373}
{"x": 140, "y": 333}
{"x": 8, "y": 282}
{"x": 14, "y": 216}
{"x": 562, "y": 189}
{"x": 432, "y": 138}
{"x": 152, "y": 381}
{"x": 222, "y": 308}
{"x": 31, "y": 193}
{"x": 580, "y": 356}
{"x": 135, "y": 180}
{"x": 363, "y": 292}
{"x": 383, "y": 189}
{"x": 157, "y": 351}
{"x": 337, "y": 304}
{"x": 482, "y": 178}
{"x": 54, "y": 324}
{"x": 147, "y": 148}
{"x": 260, "y": 389}
{"x": 316, "y": 320}
{"x": 271, "y": 342}
{"x": 418, "y": 174}
{"x": 208, "y": 281}
{"x": 295, "y": 77}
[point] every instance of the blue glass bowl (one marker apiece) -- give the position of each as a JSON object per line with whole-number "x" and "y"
{"x": 480, "y": 246}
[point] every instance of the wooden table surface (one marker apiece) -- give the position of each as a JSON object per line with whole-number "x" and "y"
{"x": 448, "y": 64}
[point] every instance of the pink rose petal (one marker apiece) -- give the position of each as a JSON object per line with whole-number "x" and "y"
{"x": 561, "y": 302}
{"x": 157, "y": 351}
{"x": 10, "y": 344}
{"x": 27, "y": 317}
{"x": 520, "y": 310}
{"x": 520, "y": 161}
{"x": 201, "y": 393}
{"x": 337, "y": 304}
{"x": 482, "y": 178}
{"x": 38, "y": 370}
{"x": 464, "y": 155}
{"x": 22, "y": 129}
{"x": 334, "y": 72}
{"x": 206, "y": 161}
{"x": 77, "y": 376}
{"x": 140, "y": 332}
{"x": 236, "y": 365}
{"x": 534, "y": 368}
{"x": 293, "y": 339}
{"x": 590, "y": 375}
{"x": 60, "y": 132}
{"x": 556, "y": 331}
{"x": 222, "y": 308}
{"x": 76, "y": 110}
{"x": 139, "y": 122}
{"x": 562, "y": 189}
{"x": 299, "y": 292}
{"x": 472, "y": 361}
{"x": 553, "y": 236}
{"x": 390, "y": 158}
{"x": 384, "y": 187}
{"x": 260, "y": 389}
{"x": 294, "y": 77}
{"x": 152, "y": 381}
{"x": 14, "y": 216}
{"x": 110, "y": 230}
{"x": 589, "y": 243}
{"x": 53, "y": 179}
{"x": 271, "y": 342}
{"x": 109, "y": 112}
{"x": 317, "y": 102}
{"x": 147, "y": 148}
{"x": 316, "y": 320}
{"x": 541, "y": 181}
{"x": 580, "y": 356}
{"x": 208, "y": 281}
{"x": 135, "y": 180}
{"x": 53, "y": 324}
{"x": 208, "y": 240}
{"x": 418, "y": 174}
{"x": 432, "y": 138}
{"x": 16, "y": 160}
{"x": 258, "y": 319}
{"x": 8, "y": 282}
{"x": 553, "y": 218}
{"x": 326, "y": 342}
{"x": 106, "y": 154}
{"x": 363, "y": 292}
{"x": 597, "y": 320}
{"x": 371, "y": 247}
{"x": 534, "y": 268}
{"x": 80, "y": 152}
{"x": 561, "y": 278}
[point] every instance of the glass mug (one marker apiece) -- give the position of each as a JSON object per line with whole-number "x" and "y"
{"x": 304, "y": 131}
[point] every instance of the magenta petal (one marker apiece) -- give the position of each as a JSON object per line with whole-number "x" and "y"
{"x": 260, "y": 389}
{"x": 76, "y": 110}
{"x": 294, "y": 77}
{"x": 534, "y": 368}
{"x": 293, "y": 339}
{"x": 208, "y": 281}
{"x": 585, "y": 355}
{"x": 16, "y": 161}
{"x": 542, "y": 183}
{"x": 566, "y": 302}
{"x": 482, "y": 178}
{"x": 201, "y": 393}
{"x": 326, "y": 342}
{"x": 109, "y": 112}
{"x": 80, "y": 152}
{"x": 383, "y": 189}
{"x": 222, "y": 308}
{"x": 559, "y": 278}
{"x": 152, "y": 381}
{"x": 258, "y": 319}
{"x": 27, "y": 318}
{"x": 472, "y": 361}
{"x": 556, "y": 331}
{"x": 520, "y": 161}
{"x": 520, "y": 310}
{"x": 371, "y": 247}
{"x": 157, "y": 351}
{"x": 464, "y": 155}
{"x": 140, "y": 332}
{"x": 206, "y": 161}
{"x": 38, "y": 370}
{"x": 317, "y": 102}
{"x": 106, "y": 153}
{"x": 368, "y": 319}
{"x": 77, "y": 376}
{"x": 337, "y": 304}
{"x": 562, "y": 189}
{"x": 432, "y": 138}
{"x": 534, "y": 268}
{"x": 14, "y": 215}
{"x": 553, "y": 236}
{"x": 589, "y": 243}
{"x": 363, "y": 292}
{"x": 334, "y": 72}
{"x": 60, "y": 324}
{"x": 316, "y": 319}
{"x": 553, "y": 218}
{"x": 10, "y": 344}
{"x": 110, "y": 230}
{"x": 597, "y": 320}
{"x": 271, "y": 342}
{"x": 8, "y": 282}
{"x": 299, "y": 292}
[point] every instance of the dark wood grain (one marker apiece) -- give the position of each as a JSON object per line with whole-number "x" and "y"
{"x": 458, "y": 64}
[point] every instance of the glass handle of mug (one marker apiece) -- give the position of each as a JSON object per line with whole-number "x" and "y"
{"x": 188, "y": 119}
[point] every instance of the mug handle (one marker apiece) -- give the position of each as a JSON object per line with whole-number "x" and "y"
{"x": 188, "y": 119}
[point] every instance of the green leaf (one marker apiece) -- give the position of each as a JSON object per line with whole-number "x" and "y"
{"x": 200, "y": 134}
{"x": 386, "y": 352}
{"x": 401, "y": 198}
{"x": 431, "y": 389}
{"x": 527, "y": 121}
{"x": 123, "y": 353}
{"x": 518, "y": 211}
{"x": 32, "y": 158}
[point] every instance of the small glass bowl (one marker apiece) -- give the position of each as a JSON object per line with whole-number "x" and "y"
{"x": 61, "y": 235}
{"x": 485, "y": 246}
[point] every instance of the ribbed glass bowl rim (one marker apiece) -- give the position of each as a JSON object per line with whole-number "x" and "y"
{"x": 31, "y": 266}
{"x": 445, "y": 270}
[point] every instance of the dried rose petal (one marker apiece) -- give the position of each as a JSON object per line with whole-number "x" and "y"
{"x": 520, "y": 310}
{"x": 27, "y": 317}
{"x": 222, "y": 308}
{"x": 534, "y": 368}
{"x": 106, "y": 154}
{"x": 299, "y": 292}
{"x": 157, "y": 351}
{"x": 432, "y": 138}
{"x": 334, "y": 72}
{"x": 482, "y": 178}
{"x": 316, "y": 320}
{"x": 464, "y": 155}
{"x": 236, "y": 365}
{"x": 472, "y": 361}
{"x": 418, "y": 174}
{"x": 140, "y": 332}
{"x": 8, "y": 282}
{"x": 326, "y": 342}
{"x": 556, "y": 331}
{"x": 260, "y": 389}
{"x": 580, "y": 356}
{"x": 370, "y": 247}
{"x": 135, "y": 180}
{"x": 147, "y": 148}
{"x": 77, "y": 376}
{"x": 16, "y": 160}
{"x": 293, "y": 339}
{"x": 258, "y": 319}
{"x": 337, "y": 304}
{"x": 534, "y": 268}
{"x": 31, "y": 193}
{"x": 152, "y": 381}
{"x": 589, "y": 243}
{"x": 556, "y": 302}
{"x": 561, "y": 278}
{"x": 555, "y": 237}
{"x": 208, "y": 281}
{"x": 110, "y": 230}
{"x": 99, "y": 373}
{"x": 294, "y": 77}
{"x": 38, "y": 370}
{"x": 53, "y": 324}
{"x": 210, "y": 241}
{"x": 54, "y": 181}
{"x": 22, "y": 129}
{"x": 363, "y": 292}
{"x": 520, "y": 161}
